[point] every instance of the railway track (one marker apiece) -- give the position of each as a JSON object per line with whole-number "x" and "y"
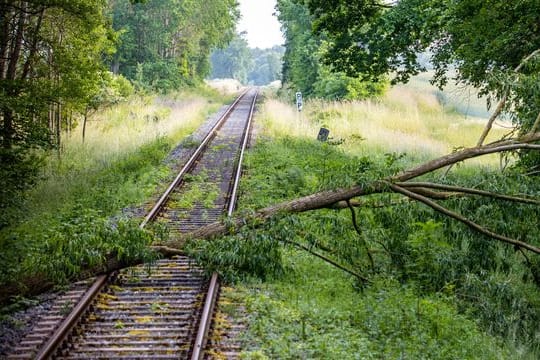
{"x": 163, "y": 310}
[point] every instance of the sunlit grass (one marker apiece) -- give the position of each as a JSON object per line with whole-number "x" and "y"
{"x": 127, "y": 126}
{"x": 112, "y": 136}
{"x": 460, "y": 97}
{"x": 227, "y": 86}
{"x": 405, "y": 120}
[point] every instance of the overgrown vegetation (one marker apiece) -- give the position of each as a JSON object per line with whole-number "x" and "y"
{"x": 55, "y": 58}
{"x": 81, "y": 210}
{"x": 422, "y": 280}
{"x": 487, "y": 44}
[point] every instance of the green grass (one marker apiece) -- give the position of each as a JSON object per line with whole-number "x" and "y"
{"x": 313, "y": 312}
{"x": 438, "y": 290}
{"x": 73, "y": 217}
{"x": 405, "y": 120}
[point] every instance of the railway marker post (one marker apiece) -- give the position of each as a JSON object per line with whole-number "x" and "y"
{"x": 299, "y": 101}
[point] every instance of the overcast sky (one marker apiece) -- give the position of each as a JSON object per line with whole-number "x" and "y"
{"x": 263, "y": 28}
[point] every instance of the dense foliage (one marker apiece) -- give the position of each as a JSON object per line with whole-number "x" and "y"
{"x": 425, "y": 260}
{"x": 53, "y": 67}
{"x": 303, "y": 69}
{"x": 164, "y": 44}
{"x": 50, "y": 67}
{"x": 488, "y": 44}
{"x": 247, "y": 65}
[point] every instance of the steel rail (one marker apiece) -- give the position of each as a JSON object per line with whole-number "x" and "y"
{"x": 159, "y": 204}
{"x": 232, "y": 201}
{"x": 213, "y": 288}
{"x": 65, "y": 327}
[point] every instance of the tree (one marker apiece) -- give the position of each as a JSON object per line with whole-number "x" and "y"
{"x": 253, "y": 66}
{"x": 492, "y": 45}
{"x": 267, "y": 65}
{"x": 303, "y": 69}
{"x": 232, "y": 62}
{"x": 165, "y": 44}
{"x": 50, "y": 58}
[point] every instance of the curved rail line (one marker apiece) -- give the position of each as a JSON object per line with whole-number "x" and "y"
{"x": 159, "y": 309}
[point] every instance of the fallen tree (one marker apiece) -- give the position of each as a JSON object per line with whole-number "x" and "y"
{"x": 397, "y": 183}
{"x": 401, "y": 183}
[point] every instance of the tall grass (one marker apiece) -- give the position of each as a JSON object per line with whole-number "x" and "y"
{"x": 462, "y": 98}
{"x": 404, "y": 120}
{"x": 66, "y": 221}
{"x": 113, "y": 135}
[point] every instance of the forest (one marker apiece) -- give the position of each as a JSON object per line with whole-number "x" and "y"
{"x": 248, "y": 66}
{"x": 411, "y": 233}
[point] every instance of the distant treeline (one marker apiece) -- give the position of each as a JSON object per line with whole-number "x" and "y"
{"x": 247, "y": 65}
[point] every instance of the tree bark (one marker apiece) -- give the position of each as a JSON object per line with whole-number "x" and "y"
{"x": 17, "y": 46}
{"x": 85, "y": 118}
{"x": 34, "y": 47}
{"x": 325, "y": 199}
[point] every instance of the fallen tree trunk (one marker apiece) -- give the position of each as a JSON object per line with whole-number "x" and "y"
{"x": 326, "y": 199}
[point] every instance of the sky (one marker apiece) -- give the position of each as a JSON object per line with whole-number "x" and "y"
{"x": 263, "y": 29}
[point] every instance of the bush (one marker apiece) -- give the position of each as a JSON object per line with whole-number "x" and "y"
{"x": 338, "y": 86}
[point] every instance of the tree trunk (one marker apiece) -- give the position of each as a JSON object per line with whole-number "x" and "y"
{"x": 85, "y": 118}
{"x": 34, "y": 47}
{"x": 58, "y": 127}
{"x": 325, "y": 199}
{"x": 4, "y": 37}
{"x": 7, "y": 128}
{"x": 17, "y": 45}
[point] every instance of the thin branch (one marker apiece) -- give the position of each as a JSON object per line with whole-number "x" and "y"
{"x": 328, "y": 260}
{"x": 340, "y": 205}
{"x": 492, "y": 118}
{"x": 467, "y": 191}
{"x": 502, "y": 102}
{"x": 469, "y": 153}
{"x": 359, "y": 232}
{"x": 536, "y": 125}
{"x": 435, "y": 195}
{"x": 531, "y": 267}
{"x": 463, "y": 219}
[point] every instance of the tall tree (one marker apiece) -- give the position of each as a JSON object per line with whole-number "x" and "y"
{"x": 267, "y": 65}
{"x": 493, "y": 45}
{"x": 50, "y": 56}
{"x": 167, "y": 43}
{"x": 233, "y": 62}
{"x": 303, "y": 68}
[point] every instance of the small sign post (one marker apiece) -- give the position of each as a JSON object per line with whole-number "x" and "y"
{"x": 323, "y": 134}
{"x": 299, "y": 102}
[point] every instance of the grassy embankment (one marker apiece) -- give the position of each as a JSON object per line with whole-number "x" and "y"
{"x": 309, "y": 310}
{"x": 66, "y": 219}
